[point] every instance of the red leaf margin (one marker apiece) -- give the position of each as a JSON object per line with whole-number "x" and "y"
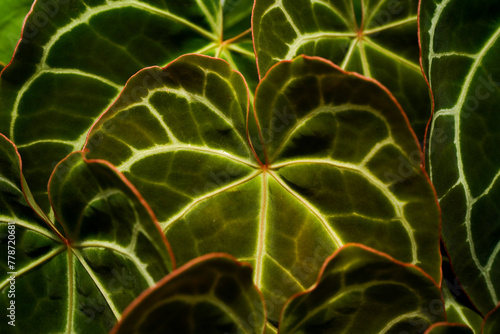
{"x": 374, "y": 251}
{"x": 179, "y": 271}
{"x": 496, "y": 309}
{"x": 444, "y": 324}
{"x": 126, "y": 182}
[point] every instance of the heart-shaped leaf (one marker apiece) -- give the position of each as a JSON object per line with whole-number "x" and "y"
{"x": 211, "y": 294}
{"x": 340, "y": 165}
{"x": 360, "y": 290}
{"x": 448, "y": 328}
{"x": 491, "y": 323}
{"x": 79, "y": 274}
{"x": 383, "y": 45}
{"x": 11, "y": 21}
{"x": 461, "y": 64}
{"x": 75, "y": 57}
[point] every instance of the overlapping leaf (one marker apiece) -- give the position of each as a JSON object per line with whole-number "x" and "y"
{"x": 362, "y": 291}
{"x": 449, "y": 328}
{"x": 79, "y": 274}
{"x": 11, "y": 21}
{"x": 383, "y": 45}
{"x": 458, "y": 313}
{"x": 75, "y": 57}
{"x": 213, "y": 294}
{"x": 461, "y": 64}
{"x": 491, "y": 323}
{"x": 339, "y": 165}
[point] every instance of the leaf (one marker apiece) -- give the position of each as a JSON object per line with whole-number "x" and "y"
{"x": 448, "y": 328}
{"x": 491, "y": 323}
{"x": 332, "y": 173}
{"x": 461, "y": 64}
{"x": 75, "y": 57}
{"x": 360, "y": 290}
{"x": 458, "y": 313}
{"x": 383, "y": 47}
{"x": 211, "y": 294}
{"x": 81, "y": 272}
{"x": 11, "y": 21}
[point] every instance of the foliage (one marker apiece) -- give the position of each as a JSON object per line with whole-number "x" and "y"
{"x": 276, "y": 145}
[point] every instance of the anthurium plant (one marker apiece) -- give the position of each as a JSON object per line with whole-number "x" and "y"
{"x": 237, "y": 166}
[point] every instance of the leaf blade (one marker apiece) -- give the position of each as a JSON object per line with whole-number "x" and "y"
{"x": 216, "y": 280}
{"x": 460, "y": 73}
{"x": 336, "y": 302}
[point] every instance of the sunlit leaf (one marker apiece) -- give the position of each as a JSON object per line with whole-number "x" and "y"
{"x": 362, "y": 291}
{"x": 383, "y": 46}
{"x": 213, "y": 294}
{"x": 75, "y": 57}
{"x": 460, "y": 60}
{"x": 78, "y": 274}
{"x": 340, "y": 165}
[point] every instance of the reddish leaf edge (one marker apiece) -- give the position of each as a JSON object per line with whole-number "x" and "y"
{"x": 125, "y": 181}
{"x": 431, "y": 94}
{"x": 177, "y": 272}
{"x": 374, "y": 251}
{"x": 426, "y": 135}
{"x": 462, "y": 288}
{"x": 400, "y": 108}
{"x": 26, "y": 190}
{"x": 444, "y": 324}
{"x": 496, "y": 309}
{"x": 85, "y": 146}
{"x": 21, "y": 37}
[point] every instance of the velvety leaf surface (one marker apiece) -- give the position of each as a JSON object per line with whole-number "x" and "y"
{"x": 449, "y": 328}
{"x": 11, "y": 21}
{"x": 79, "y": 274}
{"x": 340, "y": 165}
{"x": 75, "y": 57}
{"x": 461, "y": 64}
{"x": 383, "y": 46}
{"x": 362, "y": 291}
{"x": 492, "y": 322}
{"x": 212, "y": 294}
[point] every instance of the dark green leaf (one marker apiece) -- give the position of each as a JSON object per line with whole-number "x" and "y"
{"x": 362, "y": 291}
{"x": 384, "y": 46}
{"x": 75, "y": 57}
{"x": 341, "y": 165}
{"x": 460, "y": 50}
{"x": 210, "y": 295}
{"x": 79, "y": 274}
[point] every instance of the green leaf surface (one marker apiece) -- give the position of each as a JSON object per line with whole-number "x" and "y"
{"x": 75, "y": 56}
{"x": 78, "y": 274}
{"x": 340, "y": 165}
{"x": 448, "y": 328}
{"x": 212, "y": 294}
{"x": 461, "y": 64}
{"x": 11, "y": 21}
{"x": 360, "y": 290}
{"x": 458, "y": 313}
{"x": 384, "y": 46}
{"x": 491, "y": 323}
